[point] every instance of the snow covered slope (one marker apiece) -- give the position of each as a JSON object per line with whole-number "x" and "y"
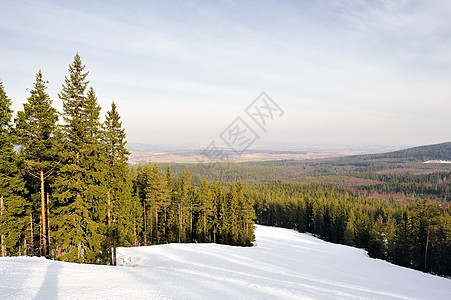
{"x": 283, "y": 265}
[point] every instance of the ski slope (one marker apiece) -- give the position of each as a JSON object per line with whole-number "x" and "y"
{"x": 284, "y": 264}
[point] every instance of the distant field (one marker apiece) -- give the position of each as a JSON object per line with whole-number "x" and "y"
{"x": 142, "y": 153}
{"x": 143, "y": 157}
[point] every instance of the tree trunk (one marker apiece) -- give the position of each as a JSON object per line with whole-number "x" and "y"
{"x": 109, "y": 228}
{"x": 135, "y": 242}
{"x": 165, "y": 223}
{"x": 3, "y": 234}
{"x": 31, "y": 238}
{"x": 246, "y": 228}
{"x": 79, "y": 250}
{"x": 180, "y": 222}
{"x": 205, "y": 224}
{"x": 156, "y": 223}
{"x": 43, "y": 218}
{"x": 40, "y": 237}
{"x": 114, "y": 251}
{"x": 191, "y": 222}
{"x": 48, "y": 224}
{"x": 151, "y": 225}
{"x": 135, "y": 234}
{"x": 426, "y": 249}
{"x": 145, "y": 226}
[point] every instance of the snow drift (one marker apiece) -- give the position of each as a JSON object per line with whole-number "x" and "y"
{"x": 284, "y": 264}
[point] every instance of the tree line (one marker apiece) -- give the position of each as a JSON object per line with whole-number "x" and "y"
{"x": 413, "y": 233}
{"x": 175, "y": 210}
{"x": 67, "y": 191}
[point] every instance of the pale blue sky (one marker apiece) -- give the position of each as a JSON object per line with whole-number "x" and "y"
{"x": 344, "y": 72}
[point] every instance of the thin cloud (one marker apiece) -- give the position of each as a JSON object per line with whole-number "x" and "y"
{"x": 326, "y": 60}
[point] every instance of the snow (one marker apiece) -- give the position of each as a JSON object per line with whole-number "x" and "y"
{"x": 437, "y": 162}
{"x": 284, "y": 264}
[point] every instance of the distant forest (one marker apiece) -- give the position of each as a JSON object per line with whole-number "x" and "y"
{"x": 68, "y": 193}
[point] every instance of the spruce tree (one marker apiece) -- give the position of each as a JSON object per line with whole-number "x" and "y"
{"x": 247, "y": 215}
{"x": 136, "y": 209}
{"x": 154, "y": 197}
{"x": 35, "y": 127}
{"x": 205, "y": 209}
{"x": 166, "y": 203}
{"x": 80, "y": 188}
{"x": 117, "y": 181}
{"x": 142, "y": 183}
{"x": 184, "y": 193}
{"x": 217, "y": 197}
{"x": 14, "y": 209}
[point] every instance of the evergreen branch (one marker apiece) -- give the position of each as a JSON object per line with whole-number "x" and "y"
{"x": 48, "y": 173}
{"x": 31, "y": 174}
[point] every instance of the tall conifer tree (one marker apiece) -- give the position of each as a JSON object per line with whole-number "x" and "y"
{"x": 80, "y": 188}
{"x": 155, "y": 196}
{"x": 184, "y": 193}
{"x": 118, "y": 181}
{"x": 205, "y": 209}
{"x": 13, "y": 207}
{"x": 36, "y": 126}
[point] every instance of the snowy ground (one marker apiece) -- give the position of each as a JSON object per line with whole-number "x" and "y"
{"x": 283, "y": 265}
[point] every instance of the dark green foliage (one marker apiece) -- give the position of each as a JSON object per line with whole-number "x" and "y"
{"x": 421, "y": 153}
{"x": 36, "y": 130}
{"x": 14, "y": 209}
{"x": 36, "y": 126}
{"x": 435, "y": 185}
{"x": 118, "y": 183}
{"x": 80, "y": 192}
{"x": 411, "y": 234}
{"x": 97, "y": 203}
{"x": 348, "y": 170}
{"x": 177, "y": 211}
{"x": 206, "y": 211}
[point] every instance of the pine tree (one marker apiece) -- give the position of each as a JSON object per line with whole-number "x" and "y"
{"x": 183, "y": 200}
{"x": 142, "y": 182}
{"x": 35, "y": 127}
{"x": 79, "y": 187}
{"x": 402, "y": 255}
{"x": 216, "y": 201}
{"x": 166, "y": 203}
{"x": 349, "y": 235}
{"x": 117, "y": 181}
{"x": 390, "y": 233}
{"x": 206, "y": 209}
{"x": 13, "y": 207}
{"x": 376, "y": 244}
{"x": 154, "y": 196}
{"x": 247, "y": 215}
{"x": 224, "y": 217}
{"x": 136, "y": 209}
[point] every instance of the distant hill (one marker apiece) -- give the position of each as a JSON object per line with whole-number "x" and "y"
{"x": 421, "y": 153}
{"x": 402, "y": 161}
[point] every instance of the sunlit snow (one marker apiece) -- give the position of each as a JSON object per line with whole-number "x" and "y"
{"x": 284, "y": 264}
{"x": 437, "y": 162}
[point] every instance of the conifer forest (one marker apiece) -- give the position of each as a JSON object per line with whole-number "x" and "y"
{"x": 67, "y": 192}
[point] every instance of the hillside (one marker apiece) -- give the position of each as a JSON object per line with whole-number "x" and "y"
{"x": 421, "y": 153}
{"x": 284, "y": 264}
{"x": 403, "y": 161}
